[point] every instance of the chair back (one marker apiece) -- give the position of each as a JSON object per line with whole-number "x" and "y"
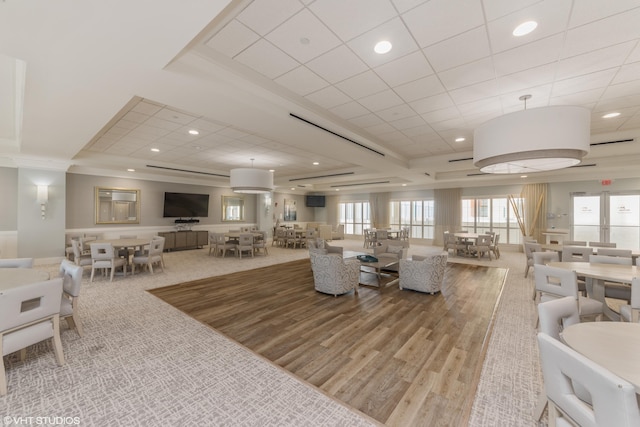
{"x": 128, "y": 236}
{"x": 381, "y": 235}
{"x": 16, "y": 263}
{"x": 310, "y": 234}
{"x": 557, "y": 282}
{"x": 557, "y": 314}
{"x": 156, "y": 246}
{"x": 545, "y": 257}
{"x": 614, "y": 400}
{"x": 246, "y": 239}
{"x": 574, "y": 243}
{"x": 290, "y": 233}
{"x": 219, "y": 238}
{"x": 530, "y": 248}
{"x": 625, "y": 253}
{"x": 604, "y": 259}
{"x": 71, "y": 277}
{"x": 576, "y": 253}
{"x": 483, "y": 240}
{"x": 42, "y": 300}
{"x": 602, "y": 245}
{"x": 102, "y": 252}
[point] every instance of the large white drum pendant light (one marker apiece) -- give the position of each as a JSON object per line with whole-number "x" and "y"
{"x": 534, "y": 140}
{"x": 251, "y": 181}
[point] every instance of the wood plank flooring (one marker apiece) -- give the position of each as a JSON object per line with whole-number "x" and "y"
{"x": 402, "y": 357}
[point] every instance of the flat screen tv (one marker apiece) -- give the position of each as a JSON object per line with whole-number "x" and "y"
{"x": 185, "y": 205}
{"x": 314, "y": 201}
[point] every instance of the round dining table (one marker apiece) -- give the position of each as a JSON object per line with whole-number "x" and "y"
{"x": 613, "y": 345}
{"x": 12, "y": 277}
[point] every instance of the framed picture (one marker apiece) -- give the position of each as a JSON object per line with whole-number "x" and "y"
{"x": 290, "y": 213}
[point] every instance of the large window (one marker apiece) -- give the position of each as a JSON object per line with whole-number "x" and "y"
{"x": 480, "y": 215}
{"x": 355, "y": 216}
{"x": 418, "y": 215}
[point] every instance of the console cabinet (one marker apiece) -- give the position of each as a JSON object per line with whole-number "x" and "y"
{"x": 178, "y": 240}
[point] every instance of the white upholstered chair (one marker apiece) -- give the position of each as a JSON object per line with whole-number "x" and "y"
{"x": 576, "y": 253}
{"x": 245, "y": 244}
{"x": 338, "y": 232}
{"x": 602, "y": 245}
{"x": 151, "y": 256}
{"x": 529, "y": 249}
{"x": 29, "y": 314}
{"x": 481, "y": 246}
{"x": 631, "y": 312}
{"x": 260, "y": 243}
{"x": 544, "y": 258}
{"x": 391, "y": 248}
{"x": 612, "y": 289}
{"x": 553, "y": 283}
{"x": 334, "y": 275}
{"x": 103, "y": 257}
{"x": 423, "y": 273}
{"x": 614, "y": 400}
{"x": 324, "y": 231}
{"x": 71, "y": 281}
{"x": 624, "y": 253}
{"x": 78, "y": 258}
{"x": 574, "y": 243}
{"x": 16, "y": 263}
{"x": 223, "y": 246}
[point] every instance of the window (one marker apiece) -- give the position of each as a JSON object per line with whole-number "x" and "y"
{"x": 480, "y": 215}
{"x": 355, "y": 217}
{"x": 418, "y": 215}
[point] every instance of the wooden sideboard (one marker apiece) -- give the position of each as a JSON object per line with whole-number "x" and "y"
{"x": 179, "y": 240}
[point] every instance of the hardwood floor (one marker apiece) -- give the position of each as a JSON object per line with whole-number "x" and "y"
{"x": 402, "y": 357}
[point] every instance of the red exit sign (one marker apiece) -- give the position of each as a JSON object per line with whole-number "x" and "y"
{"x": 606, "y": 182}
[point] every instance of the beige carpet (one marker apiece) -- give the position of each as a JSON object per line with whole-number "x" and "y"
{"x": 143, "y": 362}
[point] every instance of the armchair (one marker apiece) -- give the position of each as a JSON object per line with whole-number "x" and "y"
{"x": 333, "y": 275}
{"x": 391, "y": 249}
{"x": 321, "y": 247}
{"x": 338, "y": 233}
{"x": 423, "y": 274}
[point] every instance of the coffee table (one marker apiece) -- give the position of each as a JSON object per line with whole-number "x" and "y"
{"x": 378, "y": 267}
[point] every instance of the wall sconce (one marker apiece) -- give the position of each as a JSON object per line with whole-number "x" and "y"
{"x": 42, "y": 196}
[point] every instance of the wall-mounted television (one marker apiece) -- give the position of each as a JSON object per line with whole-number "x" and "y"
{"x": 314, "y": 201}
{"x": 185, "y": 205}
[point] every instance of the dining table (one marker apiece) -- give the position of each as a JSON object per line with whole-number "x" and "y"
{"x": 613, "y": 345}
{"x": 599, "y": 273}
{"x": 13, "y": 277}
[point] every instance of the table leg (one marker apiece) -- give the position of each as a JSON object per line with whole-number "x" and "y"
{"x": 595, "y": 290}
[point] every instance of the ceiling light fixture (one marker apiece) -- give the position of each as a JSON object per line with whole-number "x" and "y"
{"x": 383, "y": 47}
{"x": 194, "y": 132}
{"x": 610, "y": 115}
{"x": 461, "y": 139}
{"x": 525, "y": 28}
{"x": 155, "y": 150}
{"x": 315, "y": 163}
{"x": 535, "y": 140}
{"x": 251, "y": 181}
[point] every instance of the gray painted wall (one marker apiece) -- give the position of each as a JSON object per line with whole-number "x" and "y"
{"x": 9, "y": 198}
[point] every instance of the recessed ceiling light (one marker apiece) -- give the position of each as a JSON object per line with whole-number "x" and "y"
{"x": 316, "y": 163}
{"x": 194, "y": 132}
{"x": 460, "y": 139}
{"x": 155, "y": 150}
{"x": 382, "y": 47}
{"x": 337, "y": 189}
{"x": 523, "y": 176}
{"x": 272, "y": 170}
{"x": 525, "y": 28}
{"x": 404, "y": 185}
{"x": 131, "y": 170}
{"x": 610, "y": 115}
{"x": 292, "y": 189}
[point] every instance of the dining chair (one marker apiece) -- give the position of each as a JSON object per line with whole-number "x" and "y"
{"x": 126, "y": 252}
{"x": 495, "y": 245}
{"x": 245, "y": 244}
{"x": 624, "y": 253}
{"x": 631, "y": 312}
{"x": 291, "y": 238}
{"x": 280, "y": 237}
{"x": 543, "y": 258}
{"x": 151, "y": 256}
{"x": 260, "y": 243}
{"x": 481, "y": 246}
{"x": 614, "y": 400}
{"x": 382, "y": 235}
{"x": 576, "y": 253}
{"x": 554, "y": 316}
{"x": 529, "y": 249}
{"x": 602, "y": 245}
{"x": 574, "y": 243}
{"x": 103, "y": 257}
{"x": 78, "y": 258}
{"x": 71, "y": 281}
{"x": 615, "y": 290}
{"x": 369, "y": 238}
{"x": 16, "y": 263}
{"x": 212, "y": 243}
{"x": 223, "y": 246}
{"x": 29, "y": 314}
{"x": 553, "y": 283}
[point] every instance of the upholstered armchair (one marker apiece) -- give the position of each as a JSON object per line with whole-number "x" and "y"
{"x": 333, "y": 275}
{"x": 391, "y": 249}
{"x": 338, "y": 232}
{"x": 323, "y": 248}
{"x": 424, "y": 274}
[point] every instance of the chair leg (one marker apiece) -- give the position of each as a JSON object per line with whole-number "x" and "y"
{"x": 57, "y": 344}
{"x": 540, "y": 407}
{"x": 92, "y": 271}
{"x": 3, "y": 380}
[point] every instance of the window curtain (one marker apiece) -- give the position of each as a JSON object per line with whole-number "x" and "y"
{"x": 448, "y": 212}
{"x": 535, "y": 212}
{"x": 379, "y": 204}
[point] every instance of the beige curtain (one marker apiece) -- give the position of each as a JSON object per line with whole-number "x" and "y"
{"x": 379, "y": 203}
{"x": 532, "y": 213}
{"x": 448, "y": 212}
